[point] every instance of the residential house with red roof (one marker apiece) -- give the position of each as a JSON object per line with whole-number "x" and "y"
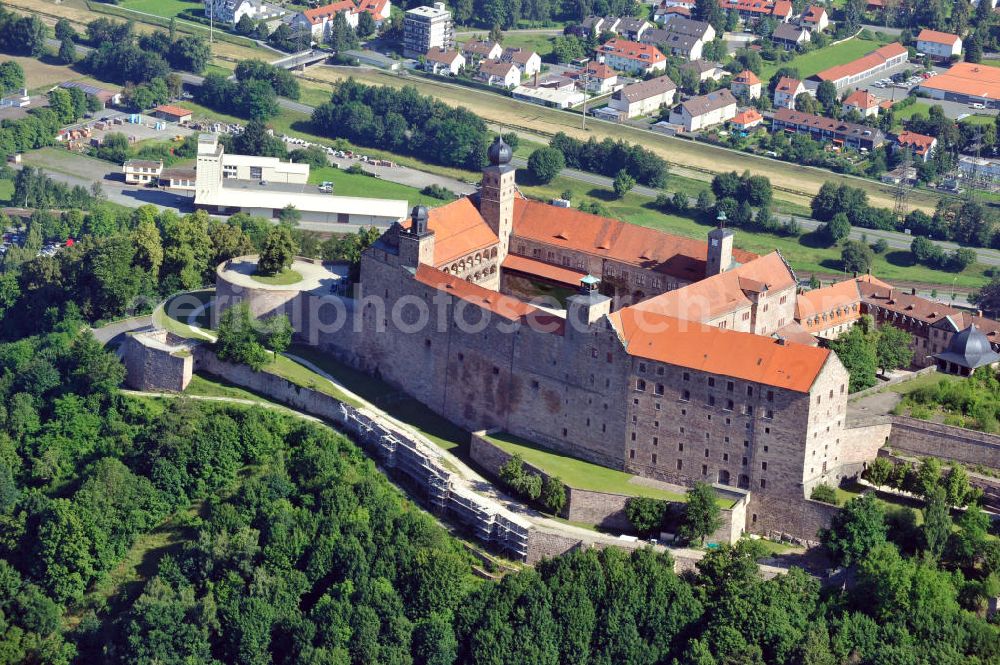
{"x": 438, "y": 60}
{"x": 920, "y": 145}
{"x": 502, "y": 74}
{"x": 529, "y": 62}
{"x": 815, "y": 18}
{"x": 939, "y": 45}
{"x": 746, "y": 120}
{"x": 861, "y": 102}
{"x": 632, "y": 57}
{"x": 479, "y": 49}
{"x": 319, "y": 20}
{"x": 786, "y": 91}
{"x": 751, "y": 11}
{"x": 746, "y": 85}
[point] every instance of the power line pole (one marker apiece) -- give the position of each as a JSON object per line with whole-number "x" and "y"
{"x": 585, "y": 78}
{"x": 899, "y": 209}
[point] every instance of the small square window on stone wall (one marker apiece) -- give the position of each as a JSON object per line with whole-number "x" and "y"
{"x": 763, "y": 483}
{"x": 704, "y": 470}
{"x": 680, "y": 447}
{"x": 496, "y": 370}
{"x": 565, "y": 431}
{"x": 680, "y": 465}
{"x": 654, "y": 458}
{"x": 534, "y": 384}
{"x": 763, "y": 466}
{"x": 631, "y": 454}
{"x": 765, "y": 449}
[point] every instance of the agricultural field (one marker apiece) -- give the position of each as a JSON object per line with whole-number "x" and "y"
{"x": 816, "y": 61}
{"x": 792, "y": 182}
{"x": 164, "y": 8}
{"x": 40, "y": 76}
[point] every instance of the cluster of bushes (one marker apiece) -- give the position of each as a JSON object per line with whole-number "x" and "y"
{"x": 404, "y": 121}
{"x": 966, "y": 222}
{"x": 698, "y": 518}
{"x": 243, "y": 339}
{"x": 865, "y": 349}
{"x": 438, "y": 192}
{"x": 11, "y": 76}
{"x": 853, "y": 202}
{"x": 152, "y": 93}
{"x": 931, "y": 255}
{"x": 21, "y": 35}
{"x": 924, "y": 480}
{"x": 972, "y": 402}
{"x": 608, "y": 157}
{"x": 33, "y": 189}
{"x": 122, "y": 57}
{"x": 254, "y": 94}
{"x": 550, "y": 493}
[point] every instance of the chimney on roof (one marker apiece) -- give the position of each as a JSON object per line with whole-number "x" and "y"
{"x": 782, "y": 341}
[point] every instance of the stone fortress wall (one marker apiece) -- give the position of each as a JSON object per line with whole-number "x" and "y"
{"x": 603, "y": 509}
{"x": 157, "y": 360}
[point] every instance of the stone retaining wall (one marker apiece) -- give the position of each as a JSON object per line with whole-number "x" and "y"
{"x": 927, "y": 439}
{"x": 781, "y": 518}
{"x": 154, "y": 360}
{"x": 602, "y": 509}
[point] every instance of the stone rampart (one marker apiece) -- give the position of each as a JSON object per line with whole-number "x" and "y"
{"x": 156, "y": 360}
{"x": 927, "y": 439}
{"x": 782, "y": 518}
{"x": 602, "y": 509}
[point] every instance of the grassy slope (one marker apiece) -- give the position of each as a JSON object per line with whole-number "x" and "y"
{"x": 164, "y": 8}
{"x": 350, "y": 184}
{"x": 816, "y": 61}
{"x": 583, "y": 475}
{"x": 6, "y": 190}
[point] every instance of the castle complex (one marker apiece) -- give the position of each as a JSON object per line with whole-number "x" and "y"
{"x": 674, "y": 359}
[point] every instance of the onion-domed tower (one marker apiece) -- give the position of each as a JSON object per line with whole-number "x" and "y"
{"x": 496, "y": 196}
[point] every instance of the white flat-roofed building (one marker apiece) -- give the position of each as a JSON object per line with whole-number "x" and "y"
{"x": 227, "y": 184}
{"x": 553, "y": 97}
{"x": 427, "y": 27}
{"x": 268, "y": 169}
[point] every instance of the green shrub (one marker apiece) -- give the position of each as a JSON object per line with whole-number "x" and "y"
{"x": 824, "y": 493}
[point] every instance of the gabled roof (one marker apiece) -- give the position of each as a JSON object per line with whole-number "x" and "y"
{"x": 861, "y": 99}
{"x": 723, "y": 293}
{"x": 520, "y": 56}
{"x": 746, "y": 77}
{"x": 936, "y": 37}
{"x": 919, "y": 142}
{"x": 496, "y": 68}
{"x": 786, "y": 32}
{"x": 438, "y": 54}
{"x": 747, "y": 117}
{"x": 696, "y": 106}
{"x": 704, "y": 348}
{"x": 173, "y": 110}
{"x": 479, "y": 47}
{"x": 686, "y": 26}
{"x": 327, "y": 12}
{"x": 822, "y": 123}
{"x": 600, "y": 70}
{"x": 829, "y": 306}
{"x": 624, "y": 48}
{"x": 788, "y": 85}
{"x": 814, "y": 14}
{"x": 615, "y": 240}
{"x": 458, "y": 230}
{"x": 646, "y": 89}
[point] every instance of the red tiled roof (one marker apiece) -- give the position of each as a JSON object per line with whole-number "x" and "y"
{"x": 317, "y": 15}
{"x": 479, "y": 47}
{"x": 814, "y": 14}
{"x": 747, "y": 77}
{"x": 708, "y": 349}
{"x": 601, "y": 71}
{"x": 936, "y": 37}
{"x": 967, "y": 78}
{"x": 458, "y": 230}
{"x": 438, "y": 54}
{"x": 920, "y": 142}
{"x": 547, "y": 271}
{"x": 747, "y": 117}
{"x": 832, "y": 305}
{"x": 623, "y": 48}
{"x": 496, "y": 68}
{"x": 788, "y": 84}
{"x": 173, "y": 110}
{"x": 861, "y": 99}
{"x": 719, "y": 294}
{"x": 779, "y": 8}
{"x": 508, "y": 307}
{"x": 921, "y": 309}
{"x": 615, "y": 240}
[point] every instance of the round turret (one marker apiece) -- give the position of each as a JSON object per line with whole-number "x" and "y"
{"x": 420, "y": 218}
{"x": 499, "y": 152}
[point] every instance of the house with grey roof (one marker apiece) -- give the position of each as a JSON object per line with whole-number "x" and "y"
{"x": 790, "y": 36}
{"x": 705, "y": 111}
{"x": 644, "y": 97}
